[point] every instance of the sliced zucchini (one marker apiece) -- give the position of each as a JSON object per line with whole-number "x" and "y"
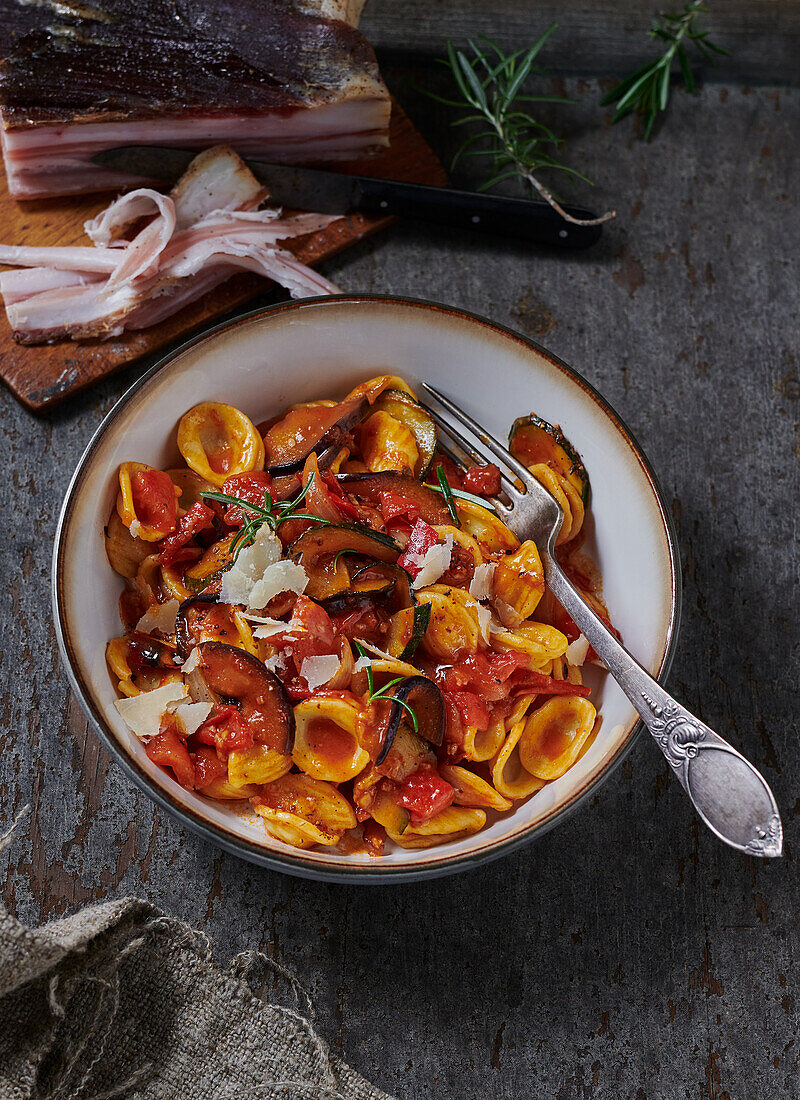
{"x": 334, "y": 426}
{"x": 206, "y": 574}
{"x": 260, "y": 696}
{"x": 533, "y": 440}
{"x": 376, "y": 581}
{"x": 318, "y": 541}
{"x": 419, "y": 422}
{"x": 317, "y": 550}
{"x": 425, "y": 699}
{"x": 422, "y": 618}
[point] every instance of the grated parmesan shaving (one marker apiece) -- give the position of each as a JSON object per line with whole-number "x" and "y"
{"x": 484, "y": 621}
{"x": 282, "y": 576}
{"x": 143, "y": 713}
{"x": 250, "y": 567}
{"x": 576, "y": 651}
{"x": 268, "y": 627}
{"x": 160, "y": 618}
{"x": 481, "y": 584}
{"x": 361, "y": 664}
{"x": 275, "y": 663}
{"x": 317, "y": 671}
{"x": 370, "y": 648}
{"x": 192, "y": 715}
{"x": 433, "y": 563}
{"x": 192, "y": 661}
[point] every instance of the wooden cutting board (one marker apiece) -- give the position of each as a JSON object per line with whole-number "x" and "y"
{"x": 43, "y": 375}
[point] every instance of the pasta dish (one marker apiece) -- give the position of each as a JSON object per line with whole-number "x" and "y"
{"x": 325, "y": 620}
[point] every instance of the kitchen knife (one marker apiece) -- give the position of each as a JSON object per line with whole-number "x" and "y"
{"x": 335, "y": 193}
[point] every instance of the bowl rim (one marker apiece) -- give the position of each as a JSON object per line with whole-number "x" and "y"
{"x": 299, "y": 864}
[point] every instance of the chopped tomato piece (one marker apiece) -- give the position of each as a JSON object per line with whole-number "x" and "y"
{"x": 482, "y": 480}
{"x": 527, "y": 680}
{"x": 421, "y": 539}
{"x": 309, "y": 633}
{"x": 198, "y": 518}
{"x": 425, "y": 794}
{"x": 369, "y": 623}
{"x": 461, "y": 569}
{"x": 155, "y": 500}
{"x": 250, "y": 487}
{"x": 346, "y": 507}
{"x": 484, "y": 674}
{"x": 168, "y": 750}
{"x": 395, "y": 506}
{"x": 207, "y": 767}
{"x": 453, "y": 473}
{"x": 471, "y": 708}
{"x": 226, "y": 730}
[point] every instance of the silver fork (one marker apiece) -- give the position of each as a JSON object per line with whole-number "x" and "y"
{"x": 728, "y": 793}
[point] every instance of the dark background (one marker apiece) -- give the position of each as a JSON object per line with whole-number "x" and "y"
{"x": 627, "y": 954}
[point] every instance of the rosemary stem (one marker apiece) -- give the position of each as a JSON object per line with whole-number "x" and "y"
{"x": 547, "y": 195}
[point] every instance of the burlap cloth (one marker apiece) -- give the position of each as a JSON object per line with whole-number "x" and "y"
{"x": 122, "y": 1001}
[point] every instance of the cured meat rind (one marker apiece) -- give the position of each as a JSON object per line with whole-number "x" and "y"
{"x": 277, "y": 79}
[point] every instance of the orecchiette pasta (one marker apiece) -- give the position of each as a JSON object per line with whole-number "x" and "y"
{"x": 321, "y": 619}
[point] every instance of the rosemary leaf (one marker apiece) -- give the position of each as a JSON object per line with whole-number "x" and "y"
{"x": 490, "y": 82}
{"x": 646, "y": 91}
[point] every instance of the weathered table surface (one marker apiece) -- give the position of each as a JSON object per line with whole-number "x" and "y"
{"x": 627, "y": 954}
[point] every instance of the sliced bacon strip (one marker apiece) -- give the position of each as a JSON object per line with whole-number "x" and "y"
{"x": 83, "y": 292}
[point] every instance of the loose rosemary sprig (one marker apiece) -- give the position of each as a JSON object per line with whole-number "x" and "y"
{"x": 447, "y": 493}
{"x": 489, "y": 83}
{"x": 646, "y": 91}
{"x": 273, "y": 514}
{"x": 381, "y": 692}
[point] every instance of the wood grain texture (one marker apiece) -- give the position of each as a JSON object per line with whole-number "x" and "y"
{"x": 594, "y": 38}
{"x": 627, "y": 955}
{"x": 43, "y": 375}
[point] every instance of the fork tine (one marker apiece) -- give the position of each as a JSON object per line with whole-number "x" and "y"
{"x": 477, "y": 456}
{"x": 465, "y": 446}
{"x": 497, "y": 449}
{"x": 499, "y": 505}
{"x": 509, "y": 487}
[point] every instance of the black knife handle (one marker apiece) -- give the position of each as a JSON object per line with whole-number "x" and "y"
{"x": 519, "y": 218}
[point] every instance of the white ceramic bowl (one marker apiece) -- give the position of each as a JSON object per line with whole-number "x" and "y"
{"x": 322, "y": 347}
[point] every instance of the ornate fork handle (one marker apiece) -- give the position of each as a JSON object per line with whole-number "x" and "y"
{"x": 730, "y": 795}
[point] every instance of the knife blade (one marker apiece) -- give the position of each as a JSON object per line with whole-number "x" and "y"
{"x": 335, "y": 193}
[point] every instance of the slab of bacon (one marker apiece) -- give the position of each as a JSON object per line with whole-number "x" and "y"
{"x": 152, "y": 254}
{"x": 285, "y": 80}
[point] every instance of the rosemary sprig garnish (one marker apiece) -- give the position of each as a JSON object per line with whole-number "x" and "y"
{"x": 489, "y": 83}
{"x": 447, "y": 493}
{"x": 273, "y": 514}
{"x": 459, "y": 494}
{"x": 646, "y": 91}
{"x": 336, "y": 559}
{"x": 372, "y": 694}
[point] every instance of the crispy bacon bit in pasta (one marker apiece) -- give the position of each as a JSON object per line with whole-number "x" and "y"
{"x": 379, "y": 697}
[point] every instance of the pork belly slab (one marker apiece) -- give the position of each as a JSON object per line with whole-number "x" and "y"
{"x": 285, "y": 80}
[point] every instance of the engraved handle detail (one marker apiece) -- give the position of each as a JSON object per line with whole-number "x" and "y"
{"x": 729, "y": 794}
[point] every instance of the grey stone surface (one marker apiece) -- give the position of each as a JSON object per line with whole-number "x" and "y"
{"x": 627, "y": 954}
